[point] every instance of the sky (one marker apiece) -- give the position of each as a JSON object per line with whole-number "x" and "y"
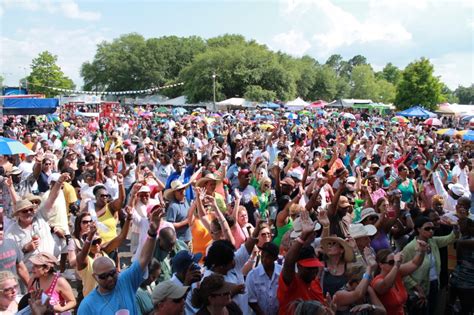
{"x": 396, "y": 31}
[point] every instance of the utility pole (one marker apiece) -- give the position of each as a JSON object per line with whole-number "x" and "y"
{"x": 214, "y": 89}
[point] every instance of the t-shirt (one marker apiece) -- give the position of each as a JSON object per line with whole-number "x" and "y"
{"x": 122, "y": 297}
{"x": 394, "y": 299}
{"x": 10, "y": 255}
{"x": 297, "y": 290}
{"x": 88, "y": 281}
{"x": 178, "y": 212}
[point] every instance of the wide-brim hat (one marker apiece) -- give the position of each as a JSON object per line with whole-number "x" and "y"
{"x": 457, "y": 189}
{"x": 22, "y": 205}
{"x": 365, "y": 213}
{"x": 359, "y": 230}
{"x": 14, "y": 171}
{"x": 175, "y": 185}
{"x": 204, "y": 180}
{"x": 32, "y": 197}
{"x": 44, "y": 258}
{"x": 348, "y": 251}
{"x": 298, "y": 228}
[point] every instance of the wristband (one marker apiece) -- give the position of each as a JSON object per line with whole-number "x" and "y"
{"x": 299, "y": 240}
{"x": 152, "y": 235}
{"x": 367, "y": 276}
{"x": 407, "y": 214}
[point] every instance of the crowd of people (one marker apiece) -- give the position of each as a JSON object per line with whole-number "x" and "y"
{"x": 241, "y": 213}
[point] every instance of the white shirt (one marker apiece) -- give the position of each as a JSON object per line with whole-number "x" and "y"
{"x": 262, "y": 289}
{"x": 112, "y": 187}
{"x": 449, "y": 202}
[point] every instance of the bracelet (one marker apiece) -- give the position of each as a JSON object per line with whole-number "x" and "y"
{"x": 152, "y": 235}
{"x": 407, "y": 214}
{"x": 299, "y": 240}
{"x": 367, "y": 276}
{"x": 87, "y": 240}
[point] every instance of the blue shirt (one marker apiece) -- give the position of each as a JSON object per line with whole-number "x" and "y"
{"x": 122, "y": 297}
{"x": 184, "y": 177}
{"x": 178, "y": 212}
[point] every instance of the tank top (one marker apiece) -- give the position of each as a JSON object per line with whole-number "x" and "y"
{"x": 55, "y": 297}
{"x": 332, "y": 283}
{"x": 380, "y": 241}
{"x": 407, "y": 191}
{"x": 282, "y": 230}
{"x": 109, "y": 232}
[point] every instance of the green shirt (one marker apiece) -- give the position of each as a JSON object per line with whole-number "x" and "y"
{"x": 165, "y": 259}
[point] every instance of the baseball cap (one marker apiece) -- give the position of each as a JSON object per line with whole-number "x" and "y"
{"x": 244, "y": 171}
{"x": 168, "y": 289}
{"x": 310, "y": 263}
{"x": 183, "y": 259}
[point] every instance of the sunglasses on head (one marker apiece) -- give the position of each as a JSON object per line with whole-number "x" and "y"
{"x": 104, "y": 276}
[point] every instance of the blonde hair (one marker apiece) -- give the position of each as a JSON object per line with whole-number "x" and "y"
{"x": 6, "y": 275}
{"x": 296, "y": 208}
{"x": 438, "y": 198}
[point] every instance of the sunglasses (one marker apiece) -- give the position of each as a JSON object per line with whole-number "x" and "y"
{"x": 391, "y": 262}
{"x": 220, "y": 294}
{"x": 266, "y": 234}
{"x": 374, "y": 218}
{"x": 26, "y": 211}
{"x": 106, "y": 196}
{"x": 86, "y": 221}
{"x": 106, "y": 275}
{"x": 47, "y": 164}
{"x": 96, "y": 242}
{"x": 429, "y": 229}
{"x": 10, "y": 289}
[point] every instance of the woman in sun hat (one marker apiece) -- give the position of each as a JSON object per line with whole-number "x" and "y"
{"x": 381, "y": 221}
{"x": 56, "y": 287}
{"x": 338, "y": 253}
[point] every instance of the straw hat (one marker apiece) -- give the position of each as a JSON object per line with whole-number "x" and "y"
{"x": 22, "y": 205}
{"x": 175, "y": 185}
{"x": 32, "y": 197}
{"x": 298, "y": 227}
{"x": 204, "y": 180}
{"x": 348, "y": 251}
{"x": 360, "y": 230}
{"x": 44, "y": 258}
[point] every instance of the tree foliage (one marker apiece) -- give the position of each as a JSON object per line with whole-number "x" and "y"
{"x": 247, "y": 68}
{"x": 46, "y": 73}
{"x": 418, "y": 86}
{"x": 465, "y": 94}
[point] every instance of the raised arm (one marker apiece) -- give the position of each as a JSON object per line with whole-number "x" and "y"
{"x": 47, "y": 207}
{"x": 409, "y": 267}
{"x": 150, "y": 242}
{"x": 116, "y": 205}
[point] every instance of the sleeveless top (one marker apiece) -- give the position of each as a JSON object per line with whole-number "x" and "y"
{"x": 42, "y": 182}
{"x": 282, "y": 230}
{"x": 407, "y": 191}
{"x": 55, "y": 296}
{"x": 108, "y": 225}
{"x": 332, "y": 283}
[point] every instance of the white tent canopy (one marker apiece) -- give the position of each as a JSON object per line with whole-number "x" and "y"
{"x": 297, "y": 102}
{"x": 177, "y": 101}
{"x": 234, "y": 101}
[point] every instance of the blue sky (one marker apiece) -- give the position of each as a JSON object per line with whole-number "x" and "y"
{"x": 397, "y": 31}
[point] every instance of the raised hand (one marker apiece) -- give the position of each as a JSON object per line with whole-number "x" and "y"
{"x": 323, "y": 217}
{"x": 155, "y": 218}
{"x": 237, "y": 194}
{"x": 120, "y": 179}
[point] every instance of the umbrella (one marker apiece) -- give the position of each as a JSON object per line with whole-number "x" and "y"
{"x": 433, "y": 122}
{"x": 162, "y": 110}
{"x": 305, "y": 113}
{"x": 471, "y": 122}
{"x": 447, "y": 132}
{"x": 66, "y": 124}
{"x": 399, "y": 119}
{"x": 11, "y": 147}
{"x": 215, "y": 115}
{"x": 228, "y": 116}
{"x": 267, "y": 110}
{"x": 179, "y": 111}
{"x": 291, "y": 115}
{"x": 468, "y": 136}
{"x": 467, "y": 118}
{"x": 266, "y": 126}
{"x": 335, "y": 114}
{"x": 348, "y": 116}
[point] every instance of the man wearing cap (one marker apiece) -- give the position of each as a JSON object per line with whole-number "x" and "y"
{"x": 116, "y": 292}
{"x": 184, "y": 175}
{"x": 262, "y": 282}
{"x": 247, "y": 192}
{"x": 302, "y": 284}
{"x": 456, "y": 191}
{"x": 168, "y": 298}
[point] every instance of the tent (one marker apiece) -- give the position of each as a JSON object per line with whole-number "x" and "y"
{"x": 417, "y": 111}
{"x": 349, "y": 103}
{"x": 234, "y": 102}
{"x": 29, "y": 106}
{"x": 271, "y": 105}
{"x": 177, "y": 101}
{"x": 298, "y": 102}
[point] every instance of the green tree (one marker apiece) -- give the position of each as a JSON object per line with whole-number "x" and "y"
{"x": 418, "y": 86}
{"x": 448, "y": 95}
{"x": 325, "y": 86}
{"x": 385, "y": 92}
{"x": 226, "y": 40}
{"x": 237, "y": 67}
{"x": 465, "y": 94}
{"x": 363, "y": 82}
{"x": 45, "y": 72}
{"x": 257, "y": 94}
{"x": 1, "y": 80}
{"x": 391, "y": 73}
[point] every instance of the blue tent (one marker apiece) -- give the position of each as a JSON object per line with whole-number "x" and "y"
{"x": 417, "y": 111}
{"x": 29, "y": 106}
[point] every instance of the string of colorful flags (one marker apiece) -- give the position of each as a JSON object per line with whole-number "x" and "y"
{"x": 147, "y": 91}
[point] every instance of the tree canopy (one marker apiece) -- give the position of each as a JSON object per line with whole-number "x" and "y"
{"x": 245, "y": 68}
{"x": 46, "y": 73}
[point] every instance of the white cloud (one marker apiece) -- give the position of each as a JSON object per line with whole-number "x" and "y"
{"x": 455, "y": 69}
{"x": 336, "y": 27}
{"x": 67, "y": 8}
{"x": 292, "y": 42}
{"x": 73, "y": 47}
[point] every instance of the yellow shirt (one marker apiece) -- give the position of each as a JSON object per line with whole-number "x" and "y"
{"x": 88, "y": 281}
{"x": 109, "y": 230}
{"x": 69, "y": 194}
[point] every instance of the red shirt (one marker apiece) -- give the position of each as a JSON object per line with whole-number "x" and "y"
{"x": 395, "y": 297}
{"x": 297, "y": 290}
